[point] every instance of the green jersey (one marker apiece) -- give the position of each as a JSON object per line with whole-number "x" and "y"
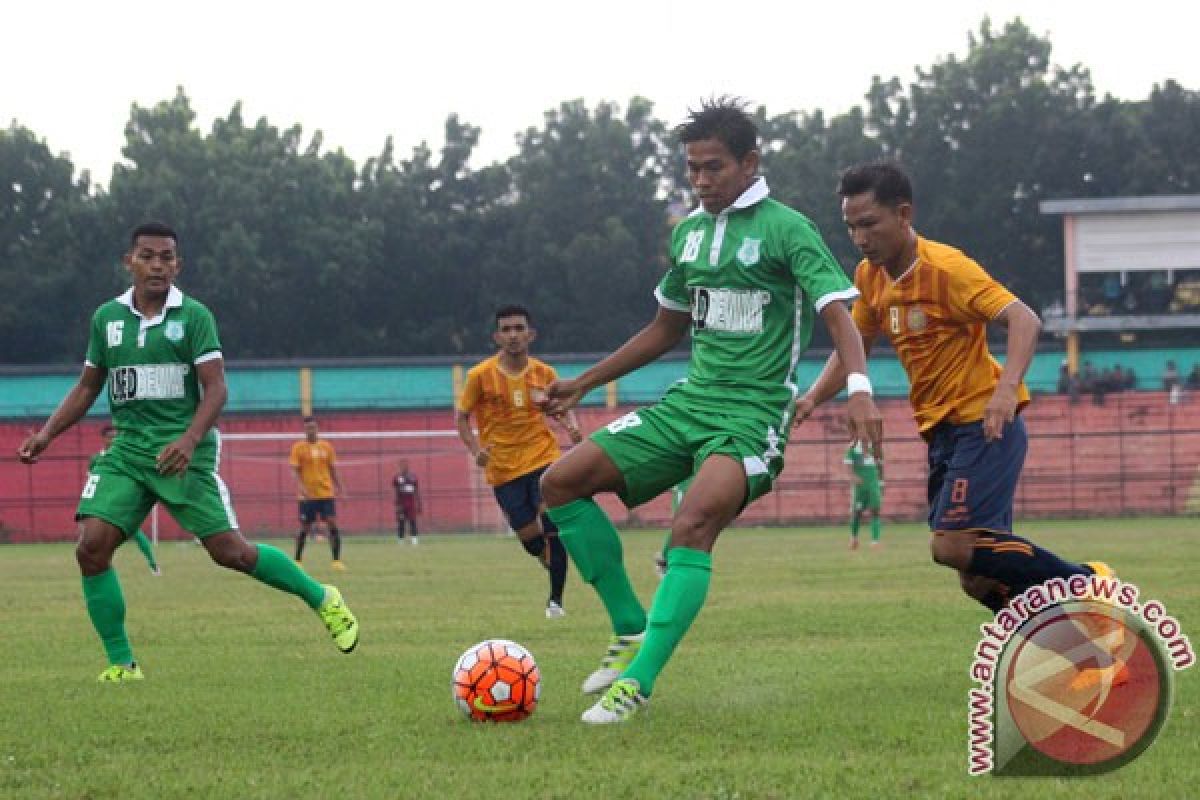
{"x": 151, "y": 366}
{"x": 863, "y": 464}
{"x": 754, "y": 277}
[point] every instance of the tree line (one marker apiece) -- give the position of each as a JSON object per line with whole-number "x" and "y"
{"x": 301, "y": 252}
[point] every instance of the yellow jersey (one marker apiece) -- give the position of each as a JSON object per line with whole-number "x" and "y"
{"x": 314, "y": 459}
{"x": 936, "y": 315}
{"x": 513, "y": 430}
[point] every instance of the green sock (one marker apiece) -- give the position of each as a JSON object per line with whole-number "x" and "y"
{"x": 143, "y": 544}
{"x": 106, "y": 607}
{"x": 875, "y": 527}
{"x": 589, "y": 536}
{"x": 275, "y": 569}
{"x": 678, "y": 600}
{"x": 855, "y": 521}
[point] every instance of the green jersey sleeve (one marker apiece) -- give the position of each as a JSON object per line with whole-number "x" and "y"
{"x": 202, "y": 334}
{"x": 672, "y": 291}
{"x": 815, "y": 269}
{"x": 95, "y": 345}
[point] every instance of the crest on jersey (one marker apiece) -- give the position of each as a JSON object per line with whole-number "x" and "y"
{"x": 174, "y": 330}
{"x": 749, "y": 252}
{"x": 917, "y": 320}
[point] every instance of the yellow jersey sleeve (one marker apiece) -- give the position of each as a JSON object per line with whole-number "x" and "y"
{"x": 470, "y": 393}
{"x": 974, "y": 295}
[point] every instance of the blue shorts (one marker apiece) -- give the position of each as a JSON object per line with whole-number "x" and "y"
{"x": 972, "y": 482}
{"x": 311, "y": 509}
{"x": 521, "y": 498}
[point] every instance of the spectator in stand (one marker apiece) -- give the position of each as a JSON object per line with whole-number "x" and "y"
{"x": 1088, "y": 378}
{"x": 1170, "y": 376}
{"x": 1193, "y": 378}
{"x": 1171, "y": 383}
{"x": 1116, "y": 381}
{"x": 1064, "y": 378}
{"x": 1130, "y": 379}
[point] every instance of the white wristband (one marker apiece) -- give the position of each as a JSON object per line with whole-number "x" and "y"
{"x": 857, "y": 382}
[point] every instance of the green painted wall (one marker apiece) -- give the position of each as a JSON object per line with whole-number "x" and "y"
{"x": 392, "y": 387}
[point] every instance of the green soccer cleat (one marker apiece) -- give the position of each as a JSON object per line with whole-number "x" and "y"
{"x": 620, "y": 702}
{"x": 119, "y": 673}
{"x": 621, "y": 650}
{"x": 340, "y": 621}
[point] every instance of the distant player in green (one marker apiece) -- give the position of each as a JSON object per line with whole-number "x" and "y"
{"x": 868, "y": 491}
{"x": 749, "y": 276}
{"x": 109, "y": 432}
{"x": 158, "y": 351}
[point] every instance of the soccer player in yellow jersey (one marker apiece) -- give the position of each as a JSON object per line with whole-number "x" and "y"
{"x": 314, "y": 462}
{"x": 934, "y": 303}
{"x": 515, "y": 444}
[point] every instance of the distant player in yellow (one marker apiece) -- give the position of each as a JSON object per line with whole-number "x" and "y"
{"x": 515, "y": 444}
{"x": 315, "y": 464}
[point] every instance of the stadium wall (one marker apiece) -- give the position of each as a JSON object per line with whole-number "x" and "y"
{"x": 30, "y": 393}
{"x": 1136, "y": 454}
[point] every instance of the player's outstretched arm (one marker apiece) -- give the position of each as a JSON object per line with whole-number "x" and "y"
{"x": 462, "y": 421}
{"x": 570, "y": 424}
{"x": 175, "y": 457}
{"x": 863, "y": 420}
{"x": 831, "y": 381}
{"x": 663, "y": 333}
{"x": 69, "y": 411}
{"x": 1023, "y": 329}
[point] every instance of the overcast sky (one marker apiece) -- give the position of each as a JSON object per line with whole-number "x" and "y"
{"x": 359, "y": 71}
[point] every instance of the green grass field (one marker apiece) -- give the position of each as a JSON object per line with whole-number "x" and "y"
{"x": 811, "y": 672}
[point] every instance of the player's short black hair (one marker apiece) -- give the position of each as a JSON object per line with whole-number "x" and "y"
{"x": 513, "y": 310}
{"x": 722, "y": 118}
{"x": 107, "y": 427}
{"x": 886, "y": 179}
{"x": 153, "y": 229}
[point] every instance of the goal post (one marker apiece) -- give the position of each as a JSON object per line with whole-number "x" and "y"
{"x": 454, "y": 495}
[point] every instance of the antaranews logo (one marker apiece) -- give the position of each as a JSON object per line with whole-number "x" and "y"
{"x": 1074, "y": 678}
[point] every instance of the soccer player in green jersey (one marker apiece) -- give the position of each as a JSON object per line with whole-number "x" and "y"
{"x": 749, "y": 276}
{"x": 109, "y": 432}
{"x": 159, "y": 353}
{"x": 867, "y": 496}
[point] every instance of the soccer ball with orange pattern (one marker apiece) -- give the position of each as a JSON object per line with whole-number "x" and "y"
{"x": 496, "y": 681}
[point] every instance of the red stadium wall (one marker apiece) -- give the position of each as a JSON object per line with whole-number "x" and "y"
{"x": 1136, "y": 454}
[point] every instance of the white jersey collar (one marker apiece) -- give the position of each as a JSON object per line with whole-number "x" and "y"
{"x": 757, "y": 192}
{"x": 174, "y": 300}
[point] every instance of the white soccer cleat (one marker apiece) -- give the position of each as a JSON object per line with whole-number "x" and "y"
{"x": 555, "y": 611}
{"x": 619, "y": 703}
{"x": 621, "y": 650}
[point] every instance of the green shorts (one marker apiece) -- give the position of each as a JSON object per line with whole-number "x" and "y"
{"x": 122, "y": 491}
{"x": 657, "y": 447}
{"x": 867, "y": 496}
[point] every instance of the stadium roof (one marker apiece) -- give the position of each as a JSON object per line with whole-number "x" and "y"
{"x": 1109, "y": 205}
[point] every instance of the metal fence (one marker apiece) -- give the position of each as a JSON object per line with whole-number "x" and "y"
{"x": 1136, "y": 453}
